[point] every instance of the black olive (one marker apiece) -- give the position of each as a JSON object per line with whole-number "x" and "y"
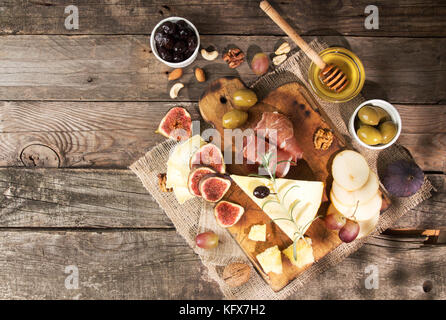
{"x": 261, "y": 192}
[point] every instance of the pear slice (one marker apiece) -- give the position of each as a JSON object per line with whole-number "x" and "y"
{"x": 350, "y": 170}
{"x": 363, "y": 195}
{"x": 364, "y": 211}
{"x": 367, "y": 226}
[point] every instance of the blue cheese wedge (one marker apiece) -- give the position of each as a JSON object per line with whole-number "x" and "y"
{"x": 271, "y": 260}
{"x": 257, "y": 232}
{"x": 303, "y": 197}
{"x": 304, "y": 253}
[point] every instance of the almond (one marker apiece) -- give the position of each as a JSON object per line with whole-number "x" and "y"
{"x": 199, "y": 74}
{"x": 175, "y": 74}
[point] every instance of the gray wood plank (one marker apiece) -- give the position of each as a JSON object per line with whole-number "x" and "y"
{"x": 397, "y": 18}
{"x": 79, "y": 198}
{"x": 122, "y": 68}
{"x": 158, "y": 264}
{"x": 115, "y": 134}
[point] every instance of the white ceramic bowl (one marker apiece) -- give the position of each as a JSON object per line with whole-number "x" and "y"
{"x": 390, "y": 109}
{"x": 181, "y": 64}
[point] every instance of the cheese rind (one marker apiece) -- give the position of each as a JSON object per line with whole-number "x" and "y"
{"x": 257, "y": 232}
{"x": 271, "y": 260}
{"x": 305, "y": 196}
{"x": 304, "y": 253}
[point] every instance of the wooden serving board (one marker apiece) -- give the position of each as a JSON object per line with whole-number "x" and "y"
{"x": 292, "y": 100}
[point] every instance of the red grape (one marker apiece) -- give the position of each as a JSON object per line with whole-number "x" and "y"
{"x": 349, "y": 231}
{"x": 207, "y": 240}
{"x": 260, "y": 63}
{"x": 334, "y": 221}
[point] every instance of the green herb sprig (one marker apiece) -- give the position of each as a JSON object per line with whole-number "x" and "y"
{"x": 299, "y": 233}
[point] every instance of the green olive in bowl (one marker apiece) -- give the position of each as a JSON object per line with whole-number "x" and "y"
{"x": 369, "y": 135}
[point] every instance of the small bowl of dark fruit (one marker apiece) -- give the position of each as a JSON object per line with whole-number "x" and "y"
{"x": 175, "y": 41}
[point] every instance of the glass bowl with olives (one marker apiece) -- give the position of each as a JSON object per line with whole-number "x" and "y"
{"x": 175, "y": 42}
{"x": 375, "y": 124}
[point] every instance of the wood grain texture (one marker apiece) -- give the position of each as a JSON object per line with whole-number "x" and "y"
{"x": 95, "y": 198}
{"x": 122, "y": 68}
{"x": 115, "y": 134}
{"x": 153, "y": 264}
{"x": 397, "y": 18}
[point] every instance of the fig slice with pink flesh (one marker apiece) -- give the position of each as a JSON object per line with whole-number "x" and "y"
{"x": 208, "y": 155}
{"x": 176, "y": 124}
{"x": 228, "y": 213}
{"x": 213, "y": 188}
{"x": 195, "y": 177}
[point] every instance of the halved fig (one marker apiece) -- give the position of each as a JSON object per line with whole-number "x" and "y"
{"x": 195, "y": 177}
{"x": 176, "y": 124}
{"x": 228, "y": 213}
{"x": 208, "y": 155}
{"x": 214, "y": 188}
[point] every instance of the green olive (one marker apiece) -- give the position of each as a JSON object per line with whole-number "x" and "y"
{"x": 244, "y": 99}
{"x": 368, "y": 115}
{"x": 382, "y": 114}
{"x": 388, "y": 131}
{"x": 234, "y": 119}
{"x": 369, "y": 135}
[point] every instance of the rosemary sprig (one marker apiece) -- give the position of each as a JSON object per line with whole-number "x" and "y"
{"x": 299, "y": 233}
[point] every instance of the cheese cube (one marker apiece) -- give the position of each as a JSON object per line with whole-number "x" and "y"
{"x": 304, "y": 253}
{"x": 258, "y": 232}
{"x": 271, "y": 260}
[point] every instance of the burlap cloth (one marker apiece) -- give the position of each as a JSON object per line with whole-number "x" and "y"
{"x": 197, "y": 216}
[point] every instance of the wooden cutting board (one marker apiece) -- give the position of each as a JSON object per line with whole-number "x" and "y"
{"x": 294, "y": 101}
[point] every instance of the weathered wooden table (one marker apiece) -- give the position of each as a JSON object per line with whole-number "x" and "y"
{"x": 79, "y": 106}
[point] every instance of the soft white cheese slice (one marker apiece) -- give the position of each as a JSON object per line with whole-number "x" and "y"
{"x": 178, "y": 167}
{"x": 305, "y": 196}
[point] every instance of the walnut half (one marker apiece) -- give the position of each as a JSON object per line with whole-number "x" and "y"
{"x": 162, "y": 179}
{"x": 323, "y": 139}
{"x": 236, "y": 274}
{"x": 234, "y": 57}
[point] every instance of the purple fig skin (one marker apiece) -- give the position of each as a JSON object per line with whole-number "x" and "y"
{"x": 403, "y": 178}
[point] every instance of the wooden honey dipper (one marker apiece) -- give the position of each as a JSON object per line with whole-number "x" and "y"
{"x": 331, "y": 75}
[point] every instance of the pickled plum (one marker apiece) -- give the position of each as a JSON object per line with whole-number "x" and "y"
{"x": 175, "y": 42}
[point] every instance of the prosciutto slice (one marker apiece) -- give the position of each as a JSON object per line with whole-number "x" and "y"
{"x": 275, "y": 126}
{"x": 255, "y": 149}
